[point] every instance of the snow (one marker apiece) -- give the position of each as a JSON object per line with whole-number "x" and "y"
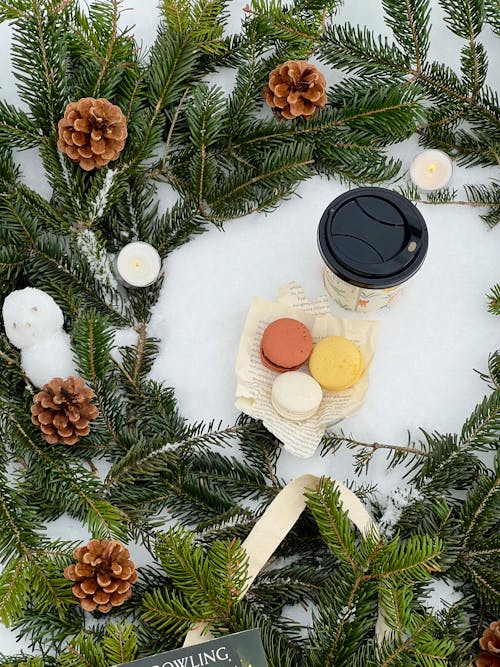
{"x": 33, "y": 322}
{"x": 99, "y": 206}
{"x": 96, "y": 257}
{"x": 431, "y": 339}
{"x": 441, "y": 594}
{"x": 123, "y": 338}
{"x": 393, "y": 506}
{"x": 49, "y": 359}
{"x": 30, "y": 316}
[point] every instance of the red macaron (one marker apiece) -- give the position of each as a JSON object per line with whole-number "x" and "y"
{"x": 286, "y": 344}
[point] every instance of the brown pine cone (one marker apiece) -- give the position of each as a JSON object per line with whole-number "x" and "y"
{"x": 63, "y": 409}
{"x": 103, "y": 574}
{"x": 92, "y": 132}
{"x": 490, "y": 643}
{"x": 296, "y": 88}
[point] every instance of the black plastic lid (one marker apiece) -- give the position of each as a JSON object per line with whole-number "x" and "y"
{"x": 373, "y": 238}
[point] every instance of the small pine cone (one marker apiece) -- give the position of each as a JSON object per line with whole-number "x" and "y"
{"x": 490, "y": 643}
{"x": 104, "y": 575}
{"x": 296, "y": 88}
{"x": 63, "y": 409}
{"x": 92, "y": 132}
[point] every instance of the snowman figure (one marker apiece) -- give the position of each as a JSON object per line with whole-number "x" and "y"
{"x": 34, "y": 324}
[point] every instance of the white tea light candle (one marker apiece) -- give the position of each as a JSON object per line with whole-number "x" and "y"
{"x": 431, "y": 170}
{"x": 138, "y": 264}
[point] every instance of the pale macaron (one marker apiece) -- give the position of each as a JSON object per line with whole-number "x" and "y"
{"x": 336, "y": 363}
{"x": 296, "y": 396}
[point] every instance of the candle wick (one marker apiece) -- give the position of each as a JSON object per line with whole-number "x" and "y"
{"x": 432, "y": 167}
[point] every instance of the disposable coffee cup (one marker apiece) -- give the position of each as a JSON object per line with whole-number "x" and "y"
{"x": 372, "y": 241}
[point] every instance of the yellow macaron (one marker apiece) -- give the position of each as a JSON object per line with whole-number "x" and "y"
{"x": 336, "y": 363}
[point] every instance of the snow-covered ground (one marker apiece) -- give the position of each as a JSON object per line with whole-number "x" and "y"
{"x": 430, "y": 341}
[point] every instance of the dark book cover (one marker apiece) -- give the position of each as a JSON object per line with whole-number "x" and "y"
{"x": 243, "y": 649}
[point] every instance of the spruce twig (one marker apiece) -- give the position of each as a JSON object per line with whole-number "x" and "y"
{"x": 107, "y": 59}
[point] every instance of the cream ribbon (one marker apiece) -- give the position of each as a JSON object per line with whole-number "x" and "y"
{"x": 276, "y": 522}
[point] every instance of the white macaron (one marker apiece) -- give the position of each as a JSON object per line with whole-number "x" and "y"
{"x": 296, "y": 395}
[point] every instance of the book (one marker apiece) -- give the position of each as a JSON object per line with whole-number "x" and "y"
{"x": 242, "y": 649}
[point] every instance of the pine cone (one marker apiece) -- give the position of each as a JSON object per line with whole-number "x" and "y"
{"x": 490, "y": 643}
{"x": 104, "y": 575}
{"x": 296, "y": 88}
{"x": 62, "y": 410}
{"x": 92, "y": 132}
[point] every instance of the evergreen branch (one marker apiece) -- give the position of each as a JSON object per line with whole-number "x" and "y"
{"x": 494, "y": 307}
{"x": 119, "y": 643}
{"x": 83, "y": 651}
{"x": 486, "y": 196}
{"x": 466, "y": 21}
{"x": 331, "y": 443}
{"x": 482, "y": 506}
{"x": 215, "y": 471}
{"x": 448, "y": 119}
{"x": 135, "y": 93}
{"x": 61, "y": 6}
{"x": 45, "y": 62}
{"x": 137, "y": 363}
{"x": 202, "y": 22}
{"x": 28, "y": 578}
{"x": 464, "y": 17}
{"x": 392, "y": 658}
{"x": 346, "y": 613}
{"x": 138, "y": 455}
{"x": 168, "y": 611}
{"x": 273, "y": 15}
{"x": 316, "y": 127}
{"x": 16, "y": 530}
{"x": 109, "y": 55}
{"x": 260, "y": 448}
{"x": 173, "y": 59}
{"x": 333, "y": 523}
{"x": 141, "y": 343}
{"x": 410, "y": 23}
{"x": 189, "y": 568}
{"x": 482, "y": 428}
{"x": 41, "y": 73}
{"x": 492, "y": 8}
{"x": 271, "y": 174}
{"x": 228, "y": 570}
{"x": 478, "y": 68}
{"x": 396, "y": 603}
{"x": 82, "y": 286}
{"x": 44, "y": 247}
{"x": 171, "y": 129}
{"x": 451, "y": 202}
{"x": 484, "y": 584}
{"x": 279, "y": 646}
{"x": 409, "y": 561}
{"x": 14, "y": 586}
{"x": 11, "y": 11}
{"x": 358, "y": 51}
{"x": 430, "y": 78}
{"x": 93, "y": 340}
{"x": 17, "y": 129}
{"x": 101, "y": 517}
{"x": 483, "y": 552}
